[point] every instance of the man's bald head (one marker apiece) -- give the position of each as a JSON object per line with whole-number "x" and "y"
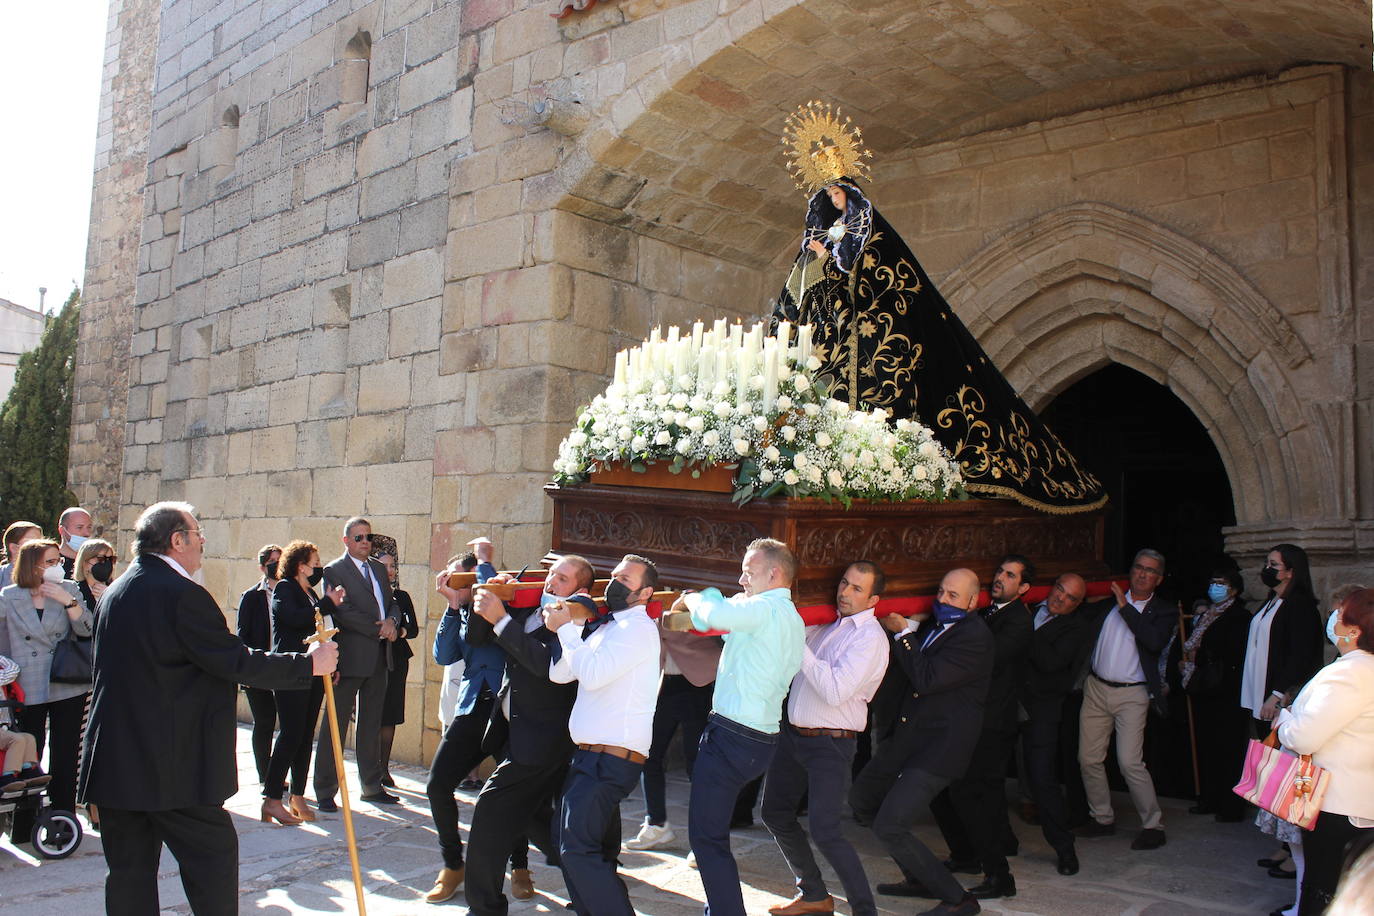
{"x": 959, "y": 588}
{"x": 1067, "y": 594}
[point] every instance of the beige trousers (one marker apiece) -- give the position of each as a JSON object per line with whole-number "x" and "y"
{"x": 18, "y": 750}
{"x": 1123, "y": 710}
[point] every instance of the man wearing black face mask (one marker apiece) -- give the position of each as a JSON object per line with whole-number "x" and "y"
{"x": 948, "y": 664}
{"x": 614, "y": 661}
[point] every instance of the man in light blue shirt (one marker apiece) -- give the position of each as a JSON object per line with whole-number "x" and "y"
{"x": 763, "y": 652}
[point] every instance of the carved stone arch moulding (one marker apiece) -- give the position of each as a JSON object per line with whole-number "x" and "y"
{"x": 1076, "y": 288}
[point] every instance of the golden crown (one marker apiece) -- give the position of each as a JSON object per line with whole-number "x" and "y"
{"x": 821, "y": 148}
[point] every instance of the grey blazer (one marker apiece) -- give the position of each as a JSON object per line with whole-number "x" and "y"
{"x": 360, "y": 649}
{"x": 30, "y": 641}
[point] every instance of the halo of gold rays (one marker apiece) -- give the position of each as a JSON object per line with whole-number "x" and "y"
{"x": 821, "y": 148}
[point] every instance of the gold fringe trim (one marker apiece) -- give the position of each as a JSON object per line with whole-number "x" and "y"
{"x": 1008, "y": 493}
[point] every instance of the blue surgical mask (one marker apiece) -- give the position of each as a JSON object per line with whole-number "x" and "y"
{"x": 1217, "y": 592}
{"x": 548, "y": 598}
{"x": 75, "y": 541}
{"x": 947, "y": 613}
{"x": 1331, "y": 621}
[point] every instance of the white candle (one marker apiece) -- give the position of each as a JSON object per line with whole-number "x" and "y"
{"x": 654, "y": 336}
{"x": 706, "y": 361}
{"x": 770, "y": 373}
{"x": 784, "y": 335}
{"x": 737, "y": 335}
{"x": 743, "y": 368}
{"x": 722, "y": 365}
{"x": 622, "y": 365}
{"x": 804, "y": 343}
{"x": 696, "y": 337}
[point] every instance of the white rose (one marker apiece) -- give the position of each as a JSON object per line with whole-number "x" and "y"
{"x": 686, "y": 382}
{"x": 866, "y": 459}
{"x": 577, "y": 439}
{"x": 710, "y": 438}
{"x": 639, "y": 443}
{"x": 663, "y": 437}
{"x": 800, "y": 461}
{"x": 790, "y": 478}
{"x": 723, "y": 409}
{"x": 848, "y": 460}
{"x": 928, "y": 449}
{"x": 660, "y": 387}
{"x": 899, "y": 473}
{"x": 886, "y": 463}
{"x": 801, "y": 383}
{"x": 766, "y": 475}
{"x": 699, "y": 404}
{"x": 680, "y": 400}
{"x": 684, "y": 445}
{"x": 661, "y": 400}
{"x": 625, "y": 433}
{"x": 600, "y": 427}
{"x": 681, "y": 417}
{"x": 813, "y": 473}
{"x": 789, "y": 433}
{"x": 666, "y": 417}
{"x": 784, "y": 372}
{"x": 608, "y": 444}
{"x": 823, "y": 439}
{"x": 919, "y": 472}
{"x": 835, "y": 478}
{"x": 741, "y": 446}
{"x": 760, "y": 424}
{"x": 695, "y": 424}
{"x": 903, "y": 424}
{"x": 813, "y": 363}
{"x": 784, "y": 402}
{"x": 812, "y": 409}
{"x": 771, "y": 453}
{"x": 721, "y": 388}
{"x": 744, "y": 408}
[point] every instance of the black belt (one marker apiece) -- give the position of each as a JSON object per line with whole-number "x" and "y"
{"x": 1117, "y": 683}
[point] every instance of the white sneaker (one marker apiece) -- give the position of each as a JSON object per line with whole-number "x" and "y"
{"x": 651, "y": 836}
{"x": 691, "y": 860}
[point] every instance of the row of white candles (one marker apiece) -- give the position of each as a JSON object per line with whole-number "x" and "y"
{"x": 715, "y": 353}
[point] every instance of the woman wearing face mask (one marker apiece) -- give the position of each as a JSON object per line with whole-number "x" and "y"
{"x": 294, "y": 603}
{"x": 1210, "y": 671}
{"x": 255, "y": 629}
{"x": 36, "y": 613}
{"x": 1284, "y": 645}
{"x": 16, "y": 535}
{"x": 95, "y": 563}
{"x": 1332, "y": 719}
{"x": 385, "y": 551}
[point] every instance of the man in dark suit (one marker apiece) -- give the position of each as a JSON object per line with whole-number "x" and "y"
{"x": 972, "y": 812}
{"x": 1120, "y": 674}
{"x": 159, "y": 755}
{"x": 528, "y": 733}
{"x": 368, "y": 620}
{"x": 1055, "y": 647}
{"x": 948, "y": 664}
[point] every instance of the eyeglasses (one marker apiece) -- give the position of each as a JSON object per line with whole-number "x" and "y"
{"x": 102, "y": 557}
{"x": 195, "y": 531}
{"x": 358, "y": 538}
{"x": 1147, "y": 570}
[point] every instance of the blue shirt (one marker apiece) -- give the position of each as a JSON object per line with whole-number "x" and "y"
{"x": 763, "y": 652}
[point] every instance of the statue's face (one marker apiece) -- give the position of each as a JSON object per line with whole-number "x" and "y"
{"x": 837, "y": 197}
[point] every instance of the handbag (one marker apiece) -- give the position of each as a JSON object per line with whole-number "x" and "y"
{"x": 71, "y": 660}
{"x": 1287, "y": 785}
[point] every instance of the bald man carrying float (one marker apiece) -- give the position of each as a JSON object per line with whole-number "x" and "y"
{"x": 948, "y": 664}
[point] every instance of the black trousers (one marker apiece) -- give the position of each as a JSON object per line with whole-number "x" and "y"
{"x": 1040, "y": 745}
{"x": 205, "y": 846}
{"x": 1223, "y": 730}
{"x": 890, "y": 797}
{"x": 60, "y": 722}
{"x": 458, "y": 752}
{"x": 298, "y": 710}
{"x": 1323, "y": 850}
{"x": 972, "y": 812}
{"x": 1075, "y": 795}
{"x": 517, "y": 798}
{"x": 263, "y": 705}
{"x": 679, "y": 703}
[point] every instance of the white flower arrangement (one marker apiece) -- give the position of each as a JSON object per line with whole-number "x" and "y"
{"x": 733, "y": 397}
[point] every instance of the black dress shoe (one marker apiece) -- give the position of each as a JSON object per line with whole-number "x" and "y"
{"x": 388, "y": 781}
{"x": 964, "y": 866}
{"x": 1149, "y": 838}
{"x": 1094, "y": 829}
{"x": 327, "y": 805}
{"x": 1270, "y": 863}
{"x": 1068, "y": 864}
{"x": 966, "y": 907}
{"x": 1277, "y": 872}
{"x": 994, "y": 886}
{"x": 907, "y": 888}
{"x": 381, "y": 798}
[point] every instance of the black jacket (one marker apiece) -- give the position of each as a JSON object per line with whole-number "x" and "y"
{"x": 947, "y": 687}
{"x": 1151, "y": 628}
{"x": 539, "y": 708}
{"x": 407, "y": 629}
{"x": 293, "y": 615}
{"x": 1295, "y": 645}
{"x": 162, "y": 731}
{"x": 1054, "y": 652}
{"x": 254, "y": 626}
{"x": 1011, "y": 633}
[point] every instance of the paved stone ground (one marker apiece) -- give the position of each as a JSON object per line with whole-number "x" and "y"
{"x": 1205, "y": 868}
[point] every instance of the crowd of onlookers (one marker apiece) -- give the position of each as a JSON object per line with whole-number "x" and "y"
{"x": 1058, "y": 677}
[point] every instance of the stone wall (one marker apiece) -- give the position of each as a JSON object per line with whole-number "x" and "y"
{"x": 385, "y": 250}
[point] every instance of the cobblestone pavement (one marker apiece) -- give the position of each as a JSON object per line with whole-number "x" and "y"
{"x": 1205, "y": 868}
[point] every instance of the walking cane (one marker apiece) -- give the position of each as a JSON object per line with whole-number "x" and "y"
{"x": 1192, "y": 726}
{"x": 322, "y": 634}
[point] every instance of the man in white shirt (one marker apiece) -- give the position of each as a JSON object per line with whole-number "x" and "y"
{"x": 1121, "y": 675}
{"x": 827, "y": 709}
{"x": 614, "y": 660}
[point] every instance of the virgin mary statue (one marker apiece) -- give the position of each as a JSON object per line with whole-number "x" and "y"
{"x": 887, "y": 339}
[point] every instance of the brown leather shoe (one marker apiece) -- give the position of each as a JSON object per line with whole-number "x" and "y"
{"x": 800, "y": 907}
{"x": 446, "y": 885}
{"x": 521, "y": 884}
{"x": 301, "y": 809}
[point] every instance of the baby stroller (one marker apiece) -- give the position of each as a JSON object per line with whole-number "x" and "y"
{"x": 56, "y": 833}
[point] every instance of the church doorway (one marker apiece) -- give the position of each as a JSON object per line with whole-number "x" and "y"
{"x": 1167, "y": 486}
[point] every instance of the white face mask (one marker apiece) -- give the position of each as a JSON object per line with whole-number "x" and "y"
{"x": 74, "y": 541}
{"x": 54, "y": 573}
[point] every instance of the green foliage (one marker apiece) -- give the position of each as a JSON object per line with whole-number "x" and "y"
{"x": 35, "y": 425}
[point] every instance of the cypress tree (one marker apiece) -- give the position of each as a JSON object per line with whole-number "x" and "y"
{"x": 35, "y": 425}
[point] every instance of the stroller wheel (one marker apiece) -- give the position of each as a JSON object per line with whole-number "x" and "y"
{"x": 56, "y": 833}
